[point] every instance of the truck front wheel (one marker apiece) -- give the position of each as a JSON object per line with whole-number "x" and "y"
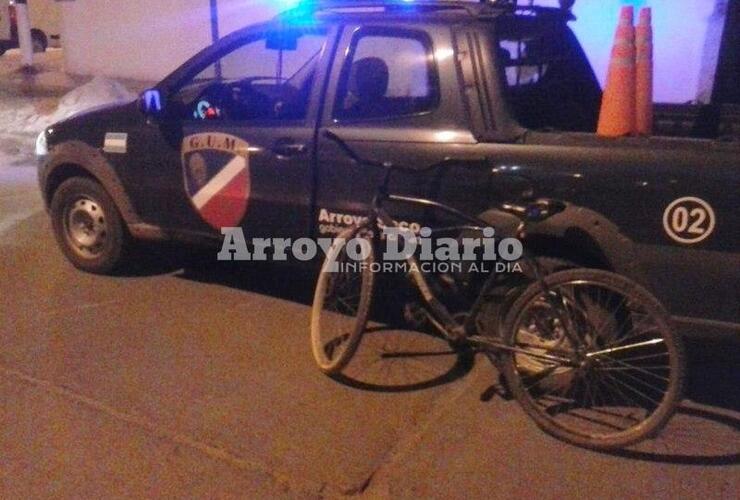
{"x": 39, "y": 40}
{"x": 88, "y": 227}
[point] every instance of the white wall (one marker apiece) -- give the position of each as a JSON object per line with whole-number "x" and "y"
{"x": 680, "y": 29}
{"x": 45, "y": 15}
{"x": 146, "y": 39}
{"x": 235, "y": 14}
{"x": 143, "y": 39}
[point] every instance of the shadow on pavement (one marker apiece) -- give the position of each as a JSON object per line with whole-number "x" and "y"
{"x": 391, "y": 359}
{"x": 153, "y": 259}
{"x": 199, "y": 265}
{"x": 695, "y": 436}
{"x": 289, "y": 283}
{"x": 714, "y": 372}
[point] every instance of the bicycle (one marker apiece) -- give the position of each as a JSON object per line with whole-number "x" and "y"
{"x": 590, "y": 355}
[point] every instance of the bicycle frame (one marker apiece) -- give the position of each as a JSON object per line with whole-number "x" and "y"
{"x": 438, "y": 314}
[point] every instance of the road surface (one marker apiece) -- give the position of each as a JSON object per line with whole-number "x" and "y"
{"x": 197, "y": 380}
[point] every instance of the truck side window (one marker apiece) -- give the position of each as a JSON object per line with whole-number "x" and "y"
{"x": 269, "y": 78}
{"x": 387, "y": 75}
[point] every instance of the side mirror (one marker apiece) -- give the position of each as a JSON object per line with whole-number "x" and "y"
{"x": 152, "y": 103}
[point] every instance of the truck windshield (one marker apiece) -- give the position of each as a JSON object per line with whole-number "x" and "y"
{"x": 551, "y": 84}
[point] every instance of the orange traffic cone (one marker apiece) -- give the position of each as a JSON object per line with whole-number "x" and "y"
{"x": 618, "y": 104}
{"x": 644, "y": 107}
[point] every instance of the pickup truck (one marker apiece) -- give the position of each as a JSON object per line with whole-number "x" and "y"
{"x": 236, "y": 138}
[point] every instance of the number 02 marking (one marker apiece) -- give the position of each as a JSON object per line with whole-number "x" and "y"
{"x": 689, "y": 220}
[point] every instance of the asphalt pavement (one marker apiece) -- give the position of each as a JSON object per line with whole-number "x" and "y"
{"x": 184, "y": 378}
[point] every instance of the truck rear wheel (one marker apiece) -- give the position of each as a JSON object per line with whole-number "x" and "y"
{"x": 39, "y": 41}
{"x": 88, "y": 227}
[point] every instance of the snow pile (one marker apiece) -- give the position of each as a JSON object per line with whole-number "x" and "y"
{"x": 99, "y": 91}
{"x": 18, "y": 120}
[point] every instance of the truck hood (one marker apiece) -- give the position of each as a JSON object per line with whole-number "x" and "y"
{"x": 93, "y": 122}
{"x": 91, "y": 114}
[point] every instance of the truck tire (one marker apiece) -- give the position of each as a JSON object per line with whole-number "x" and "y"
{"x": 39, "y": 40}
{"x": 88, "y": 227}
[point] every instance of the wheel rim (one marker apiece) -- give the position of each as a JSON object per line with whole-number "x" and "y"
{"x": 86, "y": 229}
{"x": 622, "y": 367}
{"x": 341, "y": 304}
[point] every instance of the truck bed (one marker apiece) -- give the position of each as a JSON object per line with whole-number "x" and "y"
{"x": 673, "y": 146}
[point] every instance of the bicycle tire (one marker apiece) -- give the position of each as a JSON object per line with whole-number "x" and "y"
{"x": 332, "y": 356}
{"x": 603, "y": 371}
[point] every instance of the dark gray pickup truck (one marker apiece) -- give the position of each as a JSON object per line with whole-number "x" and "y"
{"x": 235, "y": 138}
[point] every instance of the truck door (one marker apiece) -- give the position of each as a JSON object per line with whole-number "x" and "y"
{"x": 240, "y": 137}
{"x": 393, "y": 96}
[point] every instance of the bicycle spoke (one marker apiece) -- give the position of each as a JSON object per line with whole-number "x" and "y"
{"x": 647, "y": 356}
{"x": 634, "y": 334}
{"x": 626, "y": 366}
{"x": 635, "y": 391}
{"x": 621, "y": 368}
{"x": 605, "y": 352}
{"x": 625, "y": 397}
{"x": 643, "y": 383}
{"x": 611, "y": 402}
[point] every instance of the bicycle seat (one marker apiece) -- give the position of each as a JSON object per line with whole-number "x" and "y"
{"x": 537, "y": 211}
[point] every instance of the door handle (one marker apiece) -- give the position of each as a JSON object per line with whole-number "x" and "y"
{"x": 287, "y": 148}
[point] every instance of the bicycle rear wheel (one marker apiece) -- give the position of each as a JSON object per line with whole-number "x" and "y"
{"x": 626, "y": 367}
{"x": 342, "y": 300}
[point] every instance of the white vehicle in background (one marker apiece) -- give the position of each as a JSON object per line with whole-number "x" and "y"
{"x": 45, "y": 25}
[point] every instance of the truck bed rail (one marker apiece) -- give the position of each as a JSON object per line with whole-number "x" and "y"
{"x": 700, "y": 121}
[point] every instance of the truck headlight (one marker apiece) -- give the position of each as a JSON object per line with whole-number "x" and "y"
{"x": 42, "y": 148}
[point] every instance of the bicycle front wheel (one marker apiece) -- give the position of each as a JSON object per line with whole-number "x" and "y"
{"x": 598, "y": 364}
{"x": 342, "y": 299}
